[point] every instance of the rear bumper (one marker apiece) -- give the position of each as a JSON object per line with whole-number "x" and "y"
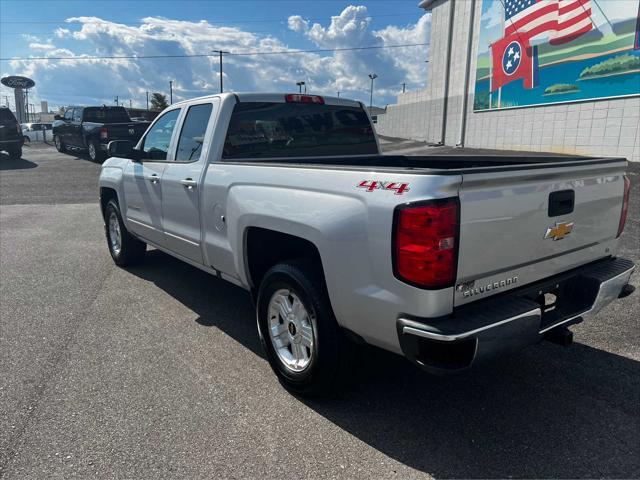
{"x": 509, "y": 322}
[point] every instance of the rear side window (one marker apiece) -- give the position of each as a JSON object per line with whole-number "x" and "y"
{"x": 106, "y": 115}
{"x": 270, "y": 130}
{"x": 192, "y": 134}
{"x": 6, "y": 115}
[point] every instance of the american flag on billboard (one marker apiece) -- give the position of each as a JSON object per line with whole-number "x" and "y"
{"x": 561, "y": 20}
{"x": 574, "y": 19}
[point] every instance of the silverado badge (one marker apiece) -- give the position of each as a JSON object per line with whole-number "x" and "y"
{"x": 559, "y": 231}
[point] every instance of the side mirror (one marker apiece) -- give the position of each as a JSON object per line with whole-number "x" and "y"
{"x": 123, "y": 148}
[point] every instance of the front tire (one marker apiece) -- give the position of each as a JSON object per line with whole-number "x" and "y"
{"x": 298, "y": 331}
{"x": 60, "y": 146}
{"x": 124, "y": 248}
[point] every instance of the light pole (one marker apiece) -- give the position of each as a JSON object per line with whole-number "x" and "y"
{"x": 147, "y": 101}
{"x": 116, "y": 100}
{"x": 170, "y": 92}
{"x": 338, "y": 93}
{"x": 300, "y": 84}
{"x": 220, "y": 52}
{"x": 404, "y": 84}
{"x": 372, "y": 76}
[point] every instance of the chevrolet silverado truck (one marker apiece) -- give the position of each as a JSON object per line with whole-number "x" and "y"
{"x": 447, "y": 260}
{"x": 92, "y": 128}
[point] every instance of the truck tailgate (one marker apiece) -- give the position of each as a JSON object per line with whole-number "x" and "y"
{"x": 518, "y": 225}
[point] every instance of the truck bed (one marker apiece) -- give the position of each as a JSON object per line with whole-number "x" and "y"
{"x": 437, "y": 163}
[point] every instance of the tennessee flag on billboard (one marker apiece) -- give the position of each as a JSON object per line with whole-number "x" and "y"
{"x": 513, "y": 58}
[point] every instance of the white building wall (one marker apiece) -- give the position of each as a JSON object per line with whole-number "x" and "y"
{"x": 594, "y": 127}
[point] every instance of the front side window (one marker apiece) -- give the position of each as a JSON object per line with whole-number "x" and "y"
{"x": 68, "y": 115}
{"x": 156, "y": 143}
{"x": 192, "y": 134}
{"x": 77, "y": 114}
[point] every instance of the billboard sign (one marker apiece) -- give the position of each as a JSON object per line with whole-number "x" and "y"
{"x": 537, "y": 52}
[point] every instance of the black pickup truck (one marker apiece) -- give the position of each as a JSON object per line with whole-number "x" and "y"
{"x": 92, "y": 128}
{"x": 10, "y": 134}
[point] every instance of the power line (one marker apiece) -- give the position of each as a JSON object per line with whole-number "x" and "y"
{"x": 220, "y": 22}
{"x": 202, "y": 55}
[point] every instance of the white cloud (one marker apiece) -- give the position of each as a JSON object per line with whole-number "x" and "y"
{"x": 41, "y": 46}
{"x": 100, "y": 80}
{"x": 297, "y": 24}
{"x": 62, "y": 32}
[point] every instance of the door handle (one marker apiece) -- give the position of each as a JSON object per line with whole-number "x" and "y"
{"x": 153, "y": 178}
{"x": 190, "y": 183}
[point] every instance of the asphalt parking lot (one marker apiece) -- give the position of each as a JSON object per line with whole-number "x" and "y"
{"x": 157, "y": 372}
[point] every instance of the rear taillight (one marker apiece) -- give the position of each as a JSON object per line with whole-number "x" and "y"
{"x": 104, "y": 133}
{"x": 301, "y": 98}
{"x": 426, "y": 243}
{"x": 625, "y": 205}
{"x": 19, "y": 128}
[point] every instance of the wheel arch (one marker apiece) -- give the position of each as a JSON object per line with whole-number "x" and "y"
{"x": 264, "y": 248}
{"x": 107, "y": 194}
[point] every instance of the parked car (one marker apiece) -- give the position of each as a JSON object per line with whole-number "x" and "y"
{"x": 37, "y": 132}
{"x": 11, "y": 139}
{"x": 447, "y": 260}
{"x": 92, "y": 128}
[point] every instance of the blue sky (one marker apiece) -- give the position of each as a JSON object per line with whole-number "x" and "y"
{"x": 72, "y": 28}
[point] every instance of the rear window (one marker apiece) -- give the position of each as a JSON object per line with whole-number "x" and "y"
{"x": 106, "y": 115}
{"x": 270, "y": 130}
{"x": 6, "y": 115}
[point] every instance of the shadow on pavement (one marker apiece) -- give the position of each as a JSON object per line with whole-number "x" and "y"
{"x": 7, "y": 163}
{"x": 546, "y": 412}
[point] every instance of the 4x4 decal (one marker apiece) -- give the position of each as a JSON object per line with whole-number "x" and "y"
{"x": 372, "y": 185}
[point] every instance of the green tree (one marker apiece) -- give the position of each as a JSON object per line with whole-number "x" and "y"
{"x": 158, "y": 102}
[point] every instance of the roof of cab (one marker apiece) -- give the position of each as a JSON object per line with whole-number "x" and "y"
{"x": 272, "y": 98}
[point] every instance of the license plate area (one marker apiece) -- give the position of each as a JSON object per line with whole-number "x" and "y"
{"x": 564, "y": 298}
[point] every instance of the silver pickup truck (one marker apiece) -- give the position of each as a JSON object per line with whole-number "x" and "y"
{"x": 447, "y": 260}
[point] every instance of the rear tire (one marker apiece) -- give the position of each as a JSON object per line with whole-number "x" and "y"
{"x": 299, "y": 333}
{"x": 60, "y": 146}
{"x": 95, "y": 154}
{"x": 124, "y": 248}
{"x": 15, "y": 153}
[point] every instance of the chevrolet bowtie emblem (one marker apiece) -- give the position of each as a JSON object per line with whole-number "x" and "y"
{"x": 559, "y": 231}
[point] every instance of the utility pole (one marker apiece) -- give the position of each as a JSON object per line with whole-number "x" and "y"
{"x": 26, "y": 103}
{"x": 220, "y": 52}
{"x": 117, "y": 103}
{"x": 372, "y": 76}
{"x": 338, "y": 93}
{"x": 403, "y": 86}
{"x": 300, "y": 84}
{"x": 170, "y": 92}
{"x": 147, "y": 101}
{"x": 130, "y": 104}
